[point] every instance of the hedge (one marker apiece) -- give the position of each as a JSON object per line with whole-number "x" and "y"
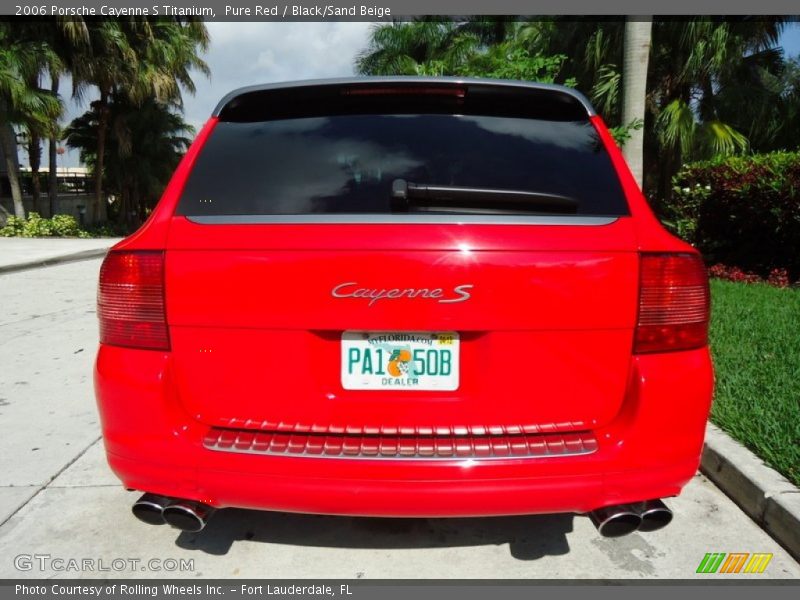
{"x": 741, "y": 211}
{"x": 37, "y": 226}
{"x": 57, "y": 226}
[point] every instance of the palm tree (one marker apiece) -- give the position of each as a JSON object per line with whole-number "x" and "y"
{"x": 52, "y": 155}
{"x": 46, "y": 43}
{"x": 428, "y": 46}
{"x": 496, "y": 48}
{"x": 36, "y": 130}
{"x": 140, "y": 58}
{"x": 167, "y": 51}
{"x": 106, "y": 62}
{"x": 692, "y": 64}
{"x": 66, "y": 37}
{"x": 634, "y": 69}
{"x": 768, "y": 125}
{"x": 22, "y": 102}
{"x": 144, "y": 144}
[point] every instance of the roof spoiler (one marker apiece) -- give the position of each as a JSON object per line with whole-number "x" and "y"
{"x": 281, "y": 100}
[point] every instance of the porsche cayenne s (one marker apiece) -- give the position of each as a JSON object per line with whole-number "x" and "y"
{"x": 404, "y": 297}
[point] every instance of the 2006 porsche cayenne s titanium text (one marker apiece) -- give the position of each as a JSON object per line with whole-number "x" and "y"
{"x": 410, "y": 297}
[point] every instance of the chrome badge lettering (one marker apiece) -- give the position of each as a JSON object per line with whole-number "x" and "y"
{"x": 460, "y": 293}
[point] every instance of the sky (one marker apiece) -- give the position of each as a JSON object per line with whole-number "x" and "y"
{"x": 242, "y": 54}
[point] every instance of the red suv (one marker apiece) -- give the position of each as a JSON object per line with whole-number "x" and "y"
{"x": 410, "y": 297}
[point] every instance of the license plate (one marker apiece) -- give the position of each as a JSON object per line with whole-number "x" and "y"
{"x": 392, "y": 360}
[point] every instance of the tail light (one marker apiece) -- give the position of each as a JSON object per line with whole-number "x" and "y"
{"x": 673, "y": 303}
{"x": 130, "y": 300}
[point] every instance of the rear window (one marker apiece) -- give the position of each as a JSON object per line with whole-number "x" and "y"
{"x": 348, "y": 164}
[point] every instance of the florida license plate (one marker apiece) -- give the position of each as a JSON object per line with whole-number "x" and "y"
{"x": 391, "y": 360}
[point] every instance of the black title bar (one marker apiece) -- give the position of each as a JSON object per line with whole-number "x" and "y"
{"x": 384, "y": 10}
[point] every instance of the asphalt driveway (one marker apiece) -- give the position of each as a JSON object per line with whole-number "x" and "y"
{"x": 58, "y": 499}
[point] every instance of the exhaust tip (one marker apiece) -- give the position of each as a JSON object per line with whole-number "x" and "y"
{"x": 187, "y": 515}
{"x": 615, "y": 521}
{"x": 150, "y": 508}
{"x": 655, "y": 515}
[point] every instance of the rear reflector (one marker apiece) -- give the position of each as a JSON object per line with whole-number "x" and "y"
{"x": 673, "y": 303}
{"x": 130, "y": 300}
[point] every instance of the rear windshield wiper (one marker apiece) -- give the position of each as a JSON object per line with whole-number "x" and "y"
{"x": 407, "y": 196}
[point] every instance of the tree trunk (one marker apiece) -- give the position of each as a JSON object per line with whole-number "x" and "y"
{"x": 8, "y": 138}
{"x": 634, "y": 88}
{"x": 35, "y": 159}
{"x": 136, "y": 209}
{"x": 99, "y": 214}
{"x": 52, "y": 181}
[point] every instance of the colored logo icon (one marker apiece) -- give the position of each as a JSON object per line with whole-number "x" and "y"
{"x": 734, "y": 562}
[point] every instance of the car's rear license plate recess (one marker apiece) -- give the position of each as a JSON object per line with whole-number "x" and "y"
{"x": 400, "y": 360}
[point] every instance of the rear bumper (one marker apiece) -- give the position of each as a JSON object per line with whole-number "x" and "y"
{"x": 463, "y": 496}
{"x": 650, "y": 450}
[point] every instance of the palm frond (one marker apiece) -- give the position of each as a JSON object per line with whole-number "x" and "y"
{"x": 605, "y": 92}
{"x": 720, "y": 139}
{"x": 676, "y": 126}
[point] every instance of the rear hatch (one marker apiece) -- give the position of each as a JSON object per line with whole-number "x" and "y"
{"x": 407, "y": 258}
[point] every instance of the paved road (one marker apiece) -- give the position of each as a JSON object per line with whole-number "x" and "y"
{"x": 58, "y": 498}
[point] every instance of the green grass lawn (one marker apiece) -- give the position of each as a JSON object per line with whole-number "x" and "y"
{"x": 755, "y": 341}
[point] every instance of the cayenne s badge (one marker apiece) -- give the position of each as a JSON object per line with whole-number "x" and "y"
{"x": 351, "y": 289}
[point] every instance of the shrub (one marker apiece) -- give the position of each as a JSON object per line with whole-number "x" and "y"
{"x": 65, "y": 225}
{"x": 742, "y": 211}
{"x": 37, "y": 226}
{"x": 776, "y": 278}
{"x": 13, "y": 227}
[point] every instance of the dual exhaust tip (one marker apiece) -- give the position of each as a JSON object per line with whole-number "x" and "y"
{"x": 186, "y": 515}
{"x": 611, "y": 521}
{"x": 622, "y": 519}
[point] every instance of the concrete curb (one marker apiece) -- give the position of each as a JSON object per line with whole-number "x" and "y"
{"x": 761, "y": 492}
{"x": 55, "y": 260}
